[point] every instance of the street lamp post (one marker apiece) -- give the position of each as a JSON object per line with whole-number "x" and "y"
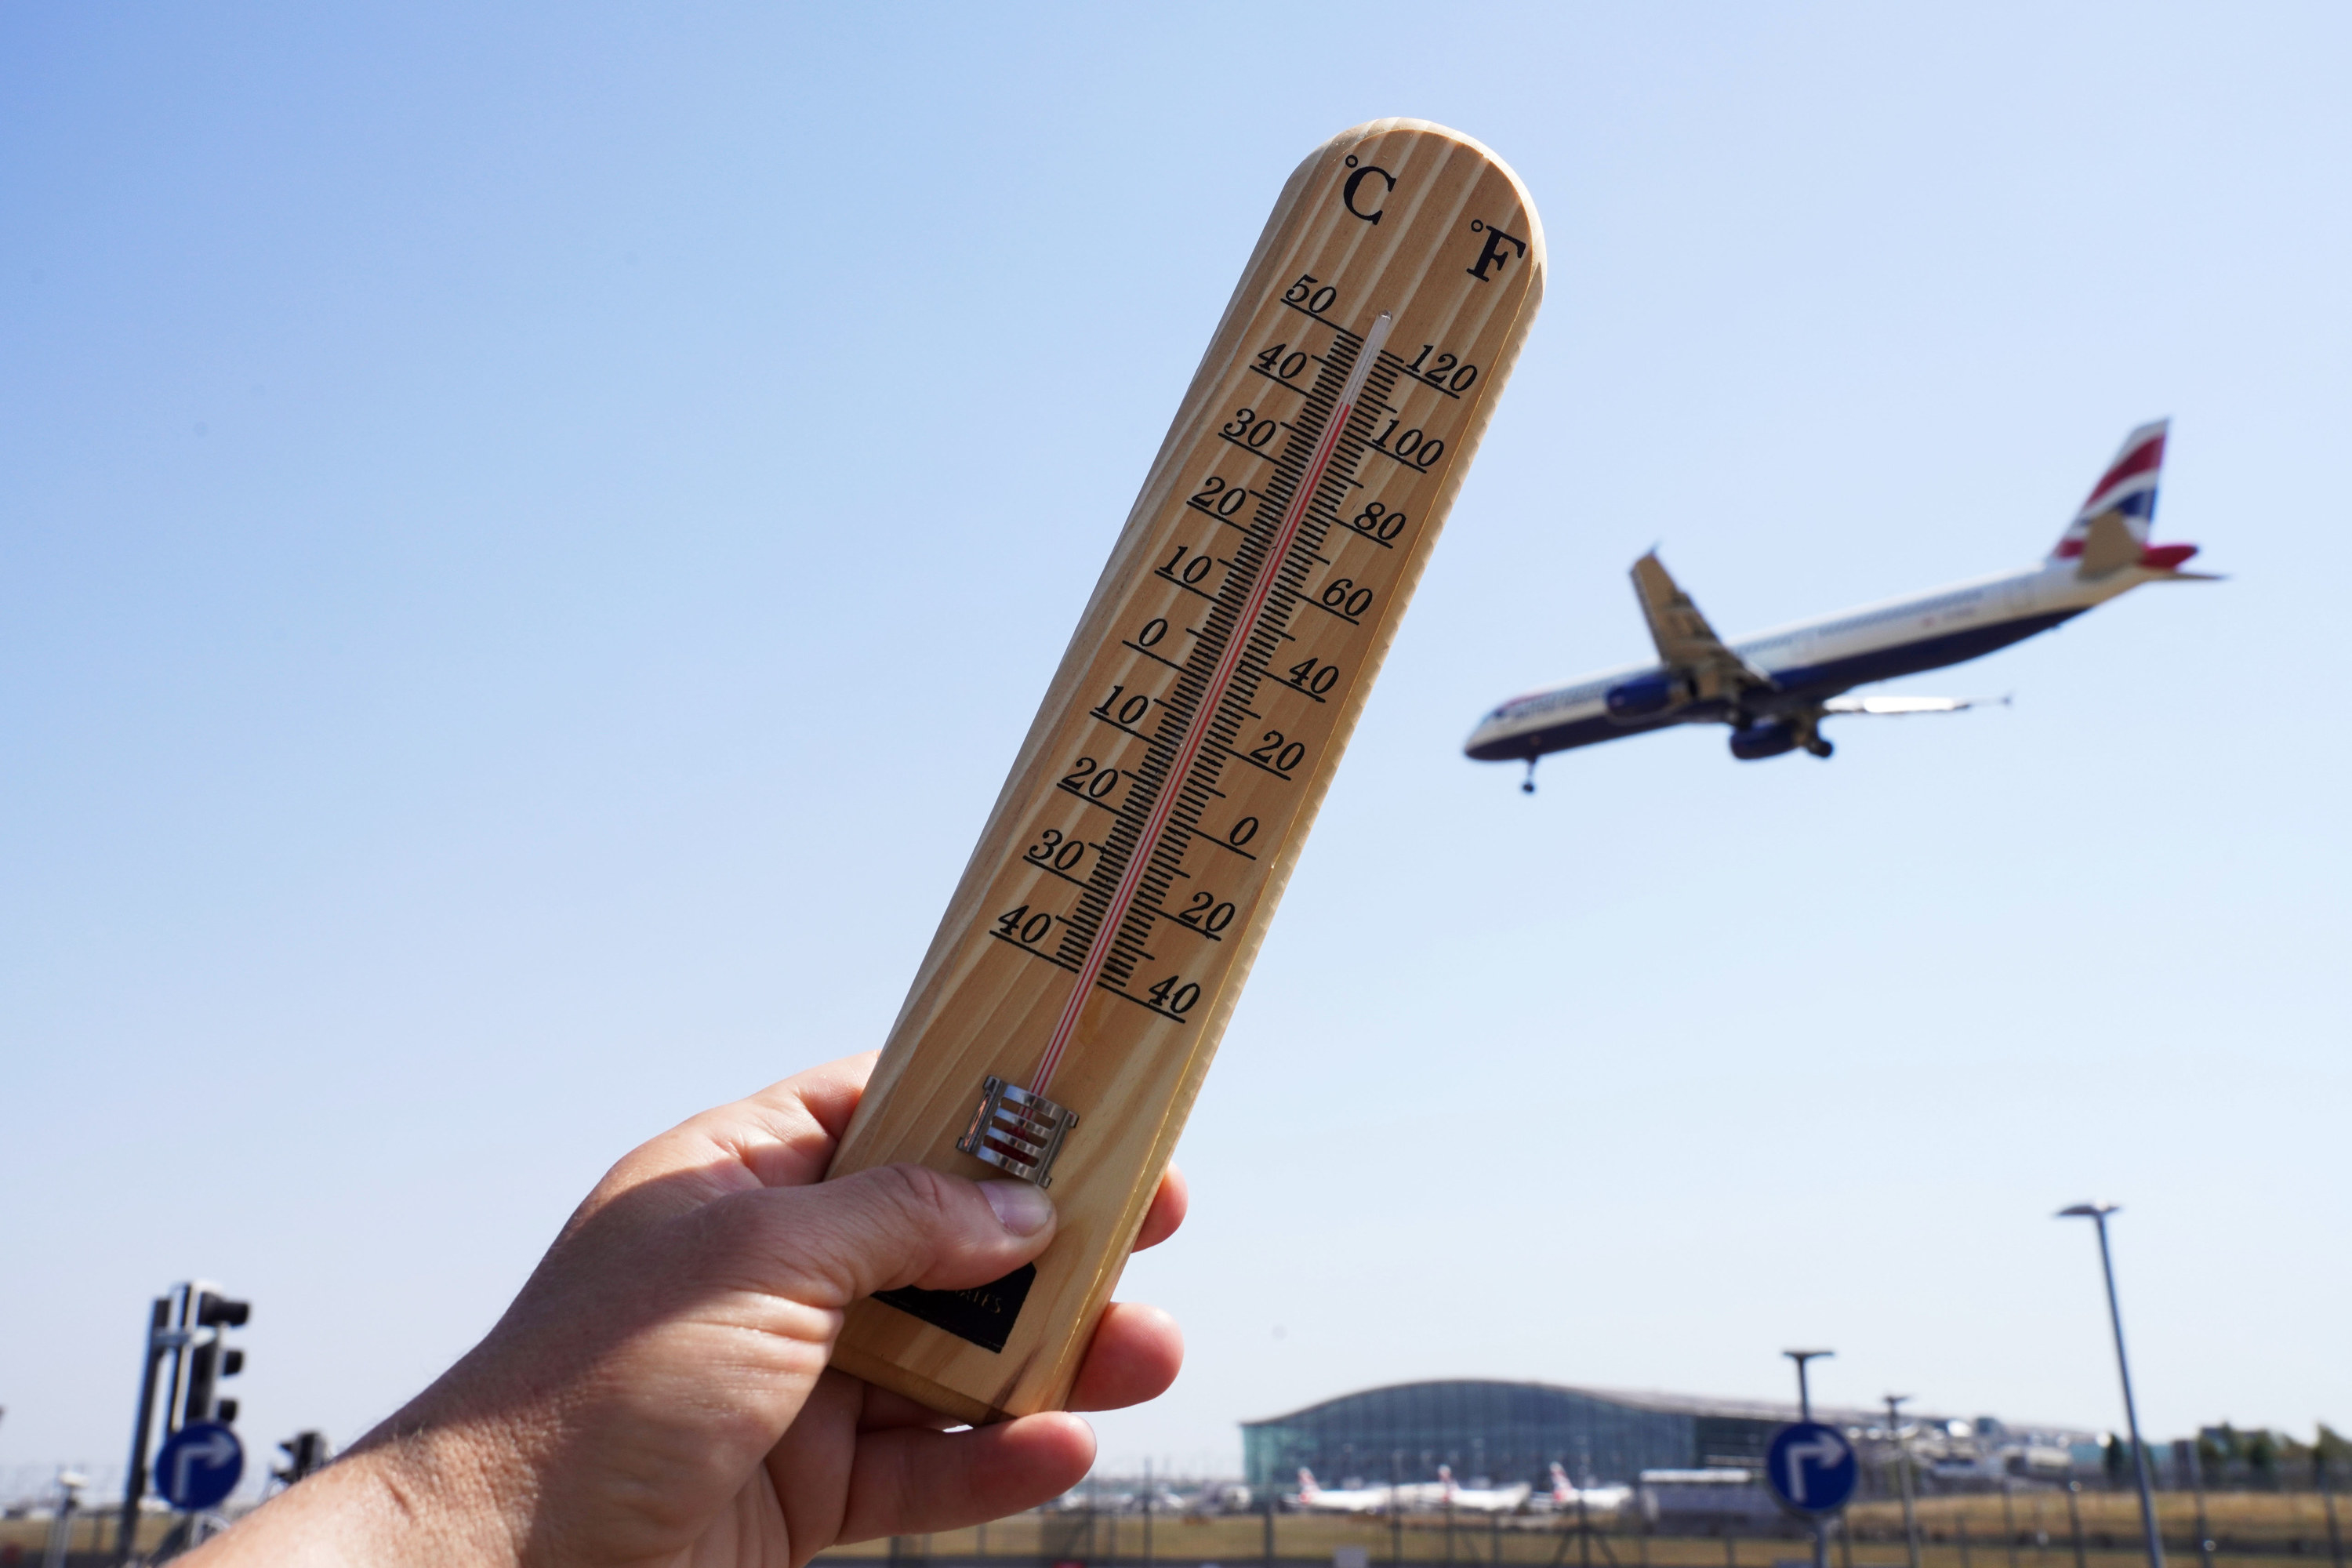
{"x": 1895, "y": 1401}
{"x": 1804, "y": 1391}
{"x": 2097, "y": 1215}
{"x": 1805, "y": 1412}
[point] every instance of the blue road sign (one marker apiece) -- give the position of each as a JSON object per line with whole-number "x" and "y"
{"x": 1811, "y": 1467}
{"x": 199, "y": 1466}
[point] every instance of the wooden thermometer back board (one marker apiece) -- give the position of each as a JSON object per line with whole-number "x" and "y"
{"x": 1165, "y": 790}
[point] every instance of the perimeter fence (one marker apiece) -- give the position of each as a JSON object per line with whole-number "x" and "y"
{"x": 2048, "y": 1528}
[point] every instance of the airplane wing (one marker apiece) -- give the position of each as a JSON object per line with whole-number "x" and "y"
{"x": 1885, "y": 706}
{"x": 1686, "y": 644}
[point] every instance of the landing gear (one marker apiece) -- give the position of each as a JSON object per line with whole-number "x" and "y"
{"x": 1809, "y": 736}
{"x": 1527, "y": 784}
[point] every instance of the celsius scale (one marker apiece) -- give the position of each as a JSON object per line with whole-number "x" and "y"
{"x": 1067, "y": 1011}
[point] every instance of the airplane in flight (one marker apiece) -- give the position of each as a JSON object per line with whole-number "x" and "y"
{"x": 1774, "y": 688}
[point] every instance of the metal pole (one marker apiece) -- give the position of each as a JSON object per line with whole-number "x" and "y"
{"x": 2009, "y": 1517}
{"x": 62, "y": 1526}
{"x": 1804, "y": 1388}
{"x": 2074, "y": 1513}
{"x": 1805, "y": 1412}
{"x": 2131, "y": 1408}
{"x": 1902, "y": 1470}
{"x": 2197, "y": 1479}
{"x": 2335, "y": 1534}
{"x": 2097, "y": 1214}
{"x": 1146, "y": 1513}
{"x": 134, "y": 1485}
{"x": 184, "y": 1316}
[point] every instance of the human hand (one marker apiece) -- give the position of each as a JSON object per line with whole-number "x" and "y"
{"x": 658, "y": 1394}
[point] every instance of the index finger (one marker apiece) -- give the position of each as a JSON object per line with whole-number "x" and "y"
{"x": 1169, "y": 1206}
{"x": 782, "y": 1136}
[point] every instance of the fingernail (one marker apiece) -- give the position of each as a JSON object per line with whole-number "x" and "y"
{"x": 1019, "y": 1207}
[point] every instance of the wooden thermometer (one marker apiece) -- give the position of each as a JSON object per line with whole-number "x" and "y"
{"x": 1064, "y": 1015}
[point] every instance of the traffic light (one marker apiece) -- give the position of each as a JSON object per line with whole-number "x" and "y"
{"x": 217, "y": 1312}
{"x": 305, "y": 1452}
{"x": 209, "y": 1361}
{"x": 184, "y": 1364}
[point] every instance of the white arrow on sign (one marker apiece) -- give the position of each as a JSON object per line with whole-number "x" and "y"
{"x": 216, "y": 1450}
{"x": 1828, "y": 1449}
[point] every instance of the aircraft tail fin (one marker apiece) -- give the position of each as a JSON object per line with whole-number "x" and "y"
{"x": 1561, "y": 1490}
{"x": 2112, "y": 529}
{"x": 1307, "y": 1487}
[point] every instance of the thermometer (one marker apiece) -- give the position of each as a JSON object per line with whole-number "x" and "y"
{"x": 1065, "y": 1014}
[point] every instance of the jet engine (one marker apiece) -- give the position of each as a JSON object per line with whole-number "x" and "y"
{"x": 1765, "y": 738}
{"x": 1644, "y": 695}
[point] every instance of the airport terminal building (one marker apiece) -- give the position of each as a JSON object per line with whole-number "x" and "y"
{"x": 1505, "y": 1433}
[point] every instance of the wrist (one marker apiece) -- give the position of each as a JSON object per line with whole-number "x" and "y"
{"x": 424, "y": 1498}
{"x": 439, "y": 1495}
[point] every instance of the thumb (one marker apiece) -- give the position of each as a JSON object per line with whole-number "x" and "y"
{"x": 828, "y": 1244}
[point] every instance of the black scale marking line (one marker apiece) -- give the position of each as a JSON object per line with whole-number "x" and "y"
{"x": 1154, "y": 657}
{"x": 1097, "y": 715}
{"x": 1053, "y": 870}
{"x": 1147, "y": 1006}
{"x": 1164, "y": 573}
{"x": 1037, "y": 954}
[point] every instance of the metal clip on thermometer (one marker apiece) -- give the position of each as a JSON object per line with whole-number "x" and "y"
{"x": 1102, "y": 931}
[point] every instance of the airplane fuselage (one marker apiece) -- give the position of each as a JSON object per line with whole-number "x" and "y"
{"x": 1811, "y": 661}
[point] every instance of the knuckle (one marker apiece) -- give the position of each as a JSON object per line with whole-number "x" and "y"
{"x": 918, "y": 1193}
{"x": 922, "y": 1208}
{"x": 729, "y": 1245}
{"x": 739, "y": 1229}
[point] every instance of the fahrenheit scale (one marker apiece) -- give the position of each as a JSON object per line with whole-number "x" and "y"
{"x": 1065, "y": 1014}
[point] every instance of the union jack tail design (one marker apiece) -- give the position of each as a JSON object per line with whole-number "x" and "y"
{"x": 1308, "y": 1490}
{"x": 2128, "y": 489}
{"x": 1561, "y": 1490}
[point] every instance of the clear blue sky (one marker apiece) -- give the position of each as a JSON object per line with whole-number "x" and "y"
{"x": 531, "y": 535}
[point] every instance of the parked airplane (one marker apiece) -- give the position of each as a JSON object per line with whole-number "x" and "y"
{"x": 1408, "y": 1497}
{"x": 1348, "y": 1499}
{"x": 1775, "y": 689}
{"x": 1565, "y": 1495}
{"x": 1480, "y": 1500}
